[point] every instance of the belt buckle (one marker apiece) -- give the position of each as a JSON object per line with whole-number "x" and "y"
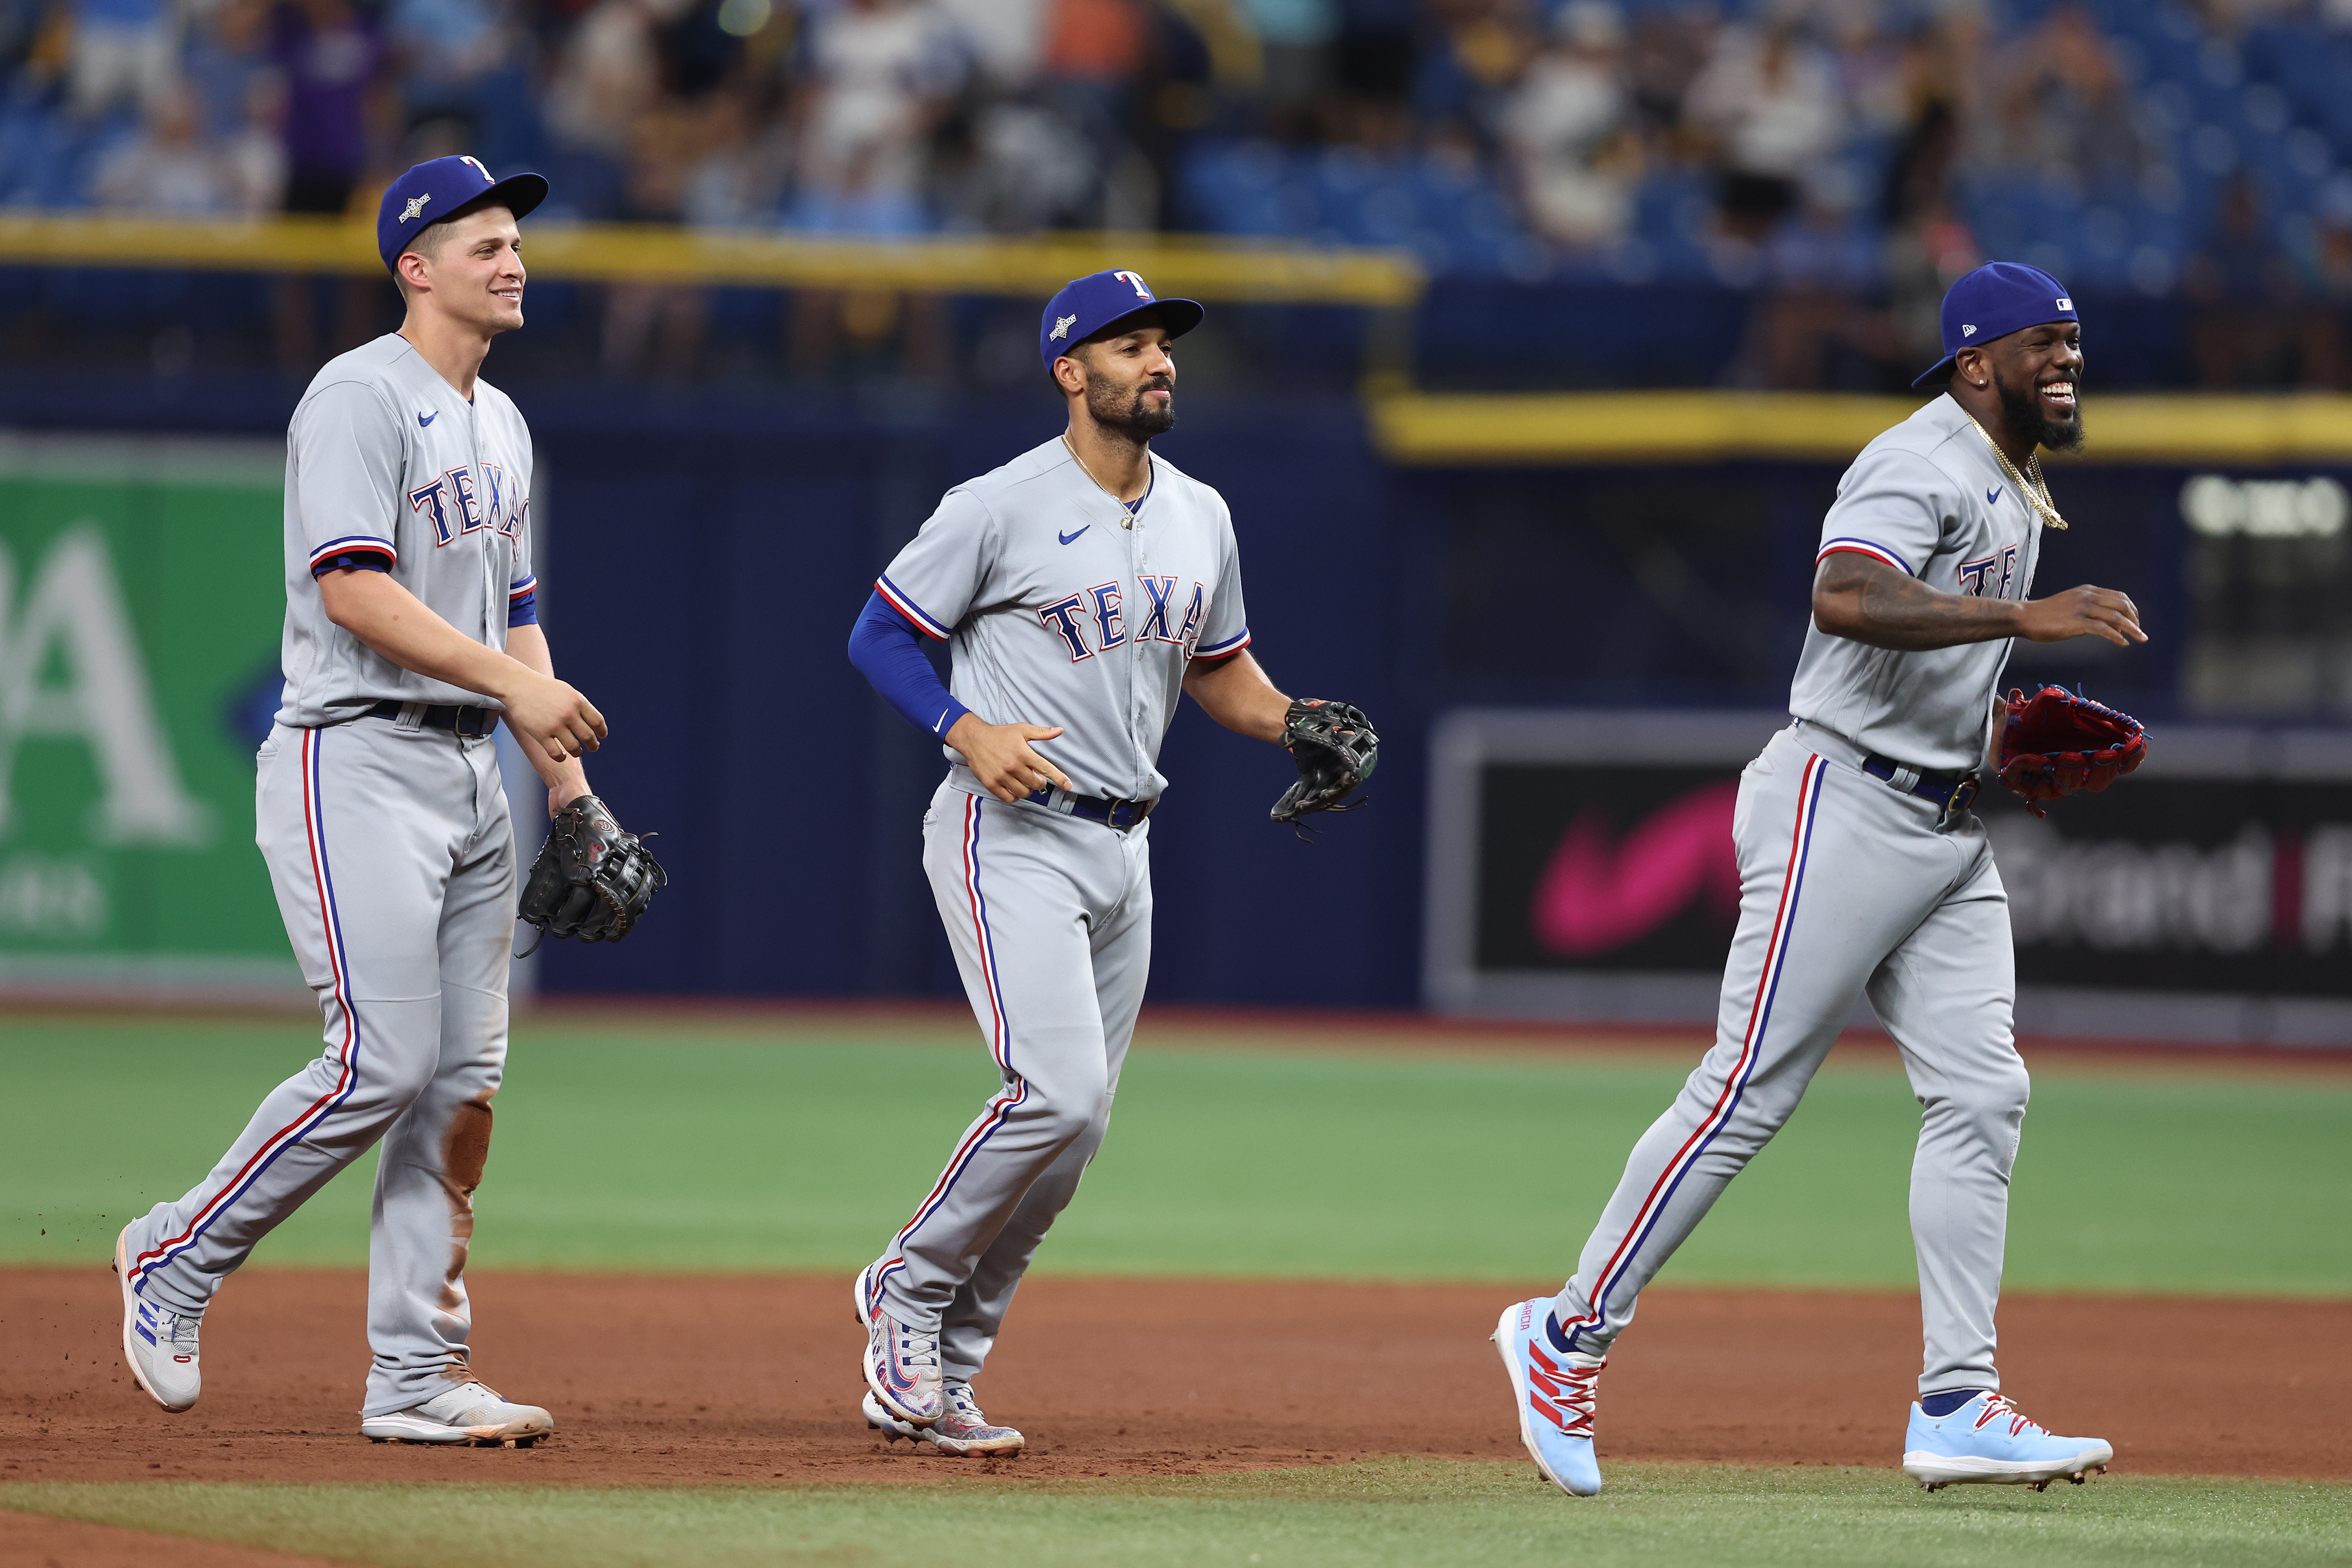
{"x": 1964, "y": 794}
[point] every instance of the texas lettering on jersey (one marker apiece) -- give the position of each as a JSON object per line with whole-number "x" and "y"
{"x": 456, "y": 503}
{"x": 1991, "y": 577}
{"x": 1095, "y": 620}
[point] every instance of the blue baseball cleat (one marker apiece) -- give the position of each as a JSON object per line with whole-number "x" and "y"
{"x": 1988, "y": 1440}
{"x": 1554, "y": 1394}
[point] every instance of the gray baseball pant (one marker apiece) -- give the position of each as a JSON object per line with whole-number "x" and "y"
{"x": 1050, "y": 917}
{"x": 392, "y": 857}
{"x": 1848, "y": 888}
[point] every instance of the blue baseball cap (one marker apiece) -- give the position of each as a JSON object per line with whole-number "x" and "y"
{"x": 1996, "y": 299}
{"x": 441, "y": 188}
{"x": 1087, "y": 305}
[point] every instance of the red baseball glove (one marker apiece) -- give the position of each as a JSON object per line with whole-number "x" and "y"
{"x": 2057, "y": 744}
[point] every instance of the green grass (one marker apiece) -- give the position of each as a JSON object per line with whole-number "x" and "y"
{"x": 638, "y": 1145}
{"x": 1364, "y": 1516}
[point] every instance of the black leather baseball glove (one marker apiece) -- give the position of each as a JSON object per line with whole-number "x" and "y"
{"x": 1335, "y": 749}
{"x": 592, "y": 881}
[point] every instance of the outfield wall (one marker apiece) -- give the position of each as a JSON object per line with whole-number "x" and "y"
{"x": 707, "y": 551}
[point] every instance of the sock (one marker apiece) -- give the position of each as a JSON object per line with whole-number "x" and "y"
{"x": 1942, "y": 1405}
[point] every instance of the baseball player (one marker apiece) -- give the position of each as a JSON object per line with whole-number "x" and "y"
{"x": 411, "y": 629}
{"x": 1082, "y": 588}
{"x": 1862, "y": 872}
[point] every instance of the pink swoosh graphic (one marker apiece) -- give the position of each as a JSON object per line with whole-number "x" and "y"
{"x": 1595, "y": 897}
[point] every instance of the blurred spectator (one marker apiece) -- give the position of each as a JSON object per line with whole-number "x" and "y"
{"x": 739, "y": 167}
{"x": 124, "y": 51}
{"x": 880, "y": 76}
{"x": 2065, "y": 109}
{"x": 1565, "y": 126}
{"x": 2251, "y": 327}
{"x": 656, "y": 327}
{"x": 170, "y": 166}
{"x": 225, "y": 55}
{"x": 329, "y": 59}
{"x": 1816, "y": 321}
{"x": 253, "y": 156}
{"x": 1666, "y": 58}
{"x": 1296, "y": 41}
{"x": 1011, "y": 167}
{"x": 1771, "y": 101}
{"x": 1006, "y": 38}
{"x": 608, "y": 74}
{"x": 446, "y": 49}
{"x": 1461, "y": 82}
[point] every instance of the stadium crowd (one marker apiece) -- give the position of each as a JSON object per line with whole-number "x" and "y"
{"x": 1816, "y": 153}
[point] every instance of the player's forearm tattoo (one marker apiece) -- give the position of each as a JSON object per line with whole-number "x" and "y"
{"x": 1865, "y": 599}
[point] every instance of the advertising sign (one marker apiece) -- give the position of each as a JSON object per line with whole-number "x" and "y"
{"x": 139, "y": 608}
{"x": 1580, "y": 867}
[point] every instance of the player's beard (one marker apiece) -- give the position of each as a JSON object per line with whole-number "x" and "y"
{"x": 1128, "y": 413}
{"x": 2020, "y": 410}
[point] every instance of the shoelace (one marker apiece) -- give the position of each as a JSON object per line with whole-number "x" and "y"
{"x": 1997, "y": 1406}
{"x": 911, "y": 1349}
{"x": 1564, "y": 1395}
{"x": 173, "y": 1328}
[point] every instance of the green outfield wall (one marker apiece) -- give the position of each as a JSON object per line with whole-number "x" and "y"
{"x": 139, "y": 606}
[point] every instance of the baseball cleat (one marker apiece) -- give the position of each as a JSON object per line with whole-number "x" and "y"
{"x": 902, "y": 1368}
{"x": 962, "y": 1432}
{"x": 1987, "y": 1440}
{"x": 470, "y": 1413}
{"x": 159, "y": 1344}
{"x": 1554, "y": 1394}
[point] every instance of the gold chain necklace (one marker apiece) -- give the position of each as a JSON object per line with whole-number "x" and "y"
{"x": 1128, "y": 519}
{"x": 2036, "y": 492}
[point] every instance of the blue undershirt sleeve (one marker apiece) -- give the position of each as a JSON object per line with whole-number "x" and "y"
{"x": 882, "y": 645}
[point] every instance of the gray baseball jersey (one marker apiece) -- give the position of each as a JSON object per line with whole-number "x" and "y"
{"x": 1063, "y": 608}
{"x": 1927, "y": 497}
{"x": 385, "y": 460}
{"x": 1853, "y": 886}
{"x": 393, "y": 856}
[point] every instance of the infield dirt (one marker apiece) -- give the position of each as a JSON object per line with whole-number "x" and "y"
{"x": 669, "y": 1380}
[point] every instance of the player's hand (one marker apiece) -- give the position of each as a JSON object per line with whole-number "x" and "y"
{"x": 2081, "y": 612}
{"x": 551, "y": 713}
{"x": 1001, "y": 758}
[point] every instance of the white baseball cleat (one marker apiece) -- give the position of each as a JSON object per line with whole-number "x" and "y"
{"x": 1987, "y": 1440}
{"x": 470, "y": 1413}
{"x": 962, "y": 1432}
{"x": 159, "y": 1344}
{"x": 902, "y": 1368}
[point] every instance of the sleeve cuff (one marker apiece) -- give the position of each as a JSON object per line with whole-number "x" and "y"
{"x": 1226, "y": 649}
{"x": 352, "y": 561}
{"x": 905, "y": 605}
{"x": 355, "y": 544}
{"x": 1864, "y": 547}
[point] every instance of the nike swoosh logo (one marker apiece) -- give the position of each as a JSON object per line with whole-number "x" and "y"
{"x": 1065, "y": 538}
{"x": 1992, "y": 496}
{"x": 425, "y": 419}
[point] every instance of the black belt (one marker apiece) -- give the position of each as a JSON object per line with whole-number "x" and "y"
{"x": 1120, "y": 814}
{"x": 472, "y": 722}
{"x": 1953, "y": 792}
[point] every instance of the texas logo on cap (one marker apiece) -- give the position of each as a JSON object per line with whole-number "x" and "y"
{"x": 1100, "y": 300}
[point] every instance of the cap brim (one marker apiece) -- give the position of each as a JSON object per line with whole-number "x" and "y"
{"x": 519, "y": 193}
{"x": 1179, "y": 316}
{"x": 1937, "y": 371}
